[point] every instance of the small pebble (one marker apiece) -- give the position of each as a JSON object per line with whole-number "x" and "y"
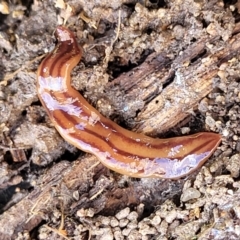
{"x": 133, "y": 216}
{"x": 156, "y": 220}
{"x": 126, "y": 231}
{"x": 171, "y": 216}
{"x": 114, "y": 222}
{"x": 118, "y": 235}
{"x": 123, "y": 222}
{"x": 189, "y": 194}
{"x": 210, "y": 121}
{"x": 225, "y": 132}
{"x": 123, "y": 213}
{"x": 185, "y": 130}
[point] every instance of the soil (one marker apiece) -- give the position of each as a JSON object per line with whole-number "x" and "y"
{"x": 162, "y": 68}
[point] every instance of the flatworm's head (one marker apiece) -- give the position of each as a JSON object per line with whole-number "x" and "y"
{"x": 54, "y": 71}
{"x": 66, "y": 54}
{"x": 64, "y": 35}
{"x": 67, "y": 44}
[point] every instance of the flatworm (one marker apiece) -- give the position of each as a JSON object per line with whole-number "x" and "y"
{"x": 123, "y": 151}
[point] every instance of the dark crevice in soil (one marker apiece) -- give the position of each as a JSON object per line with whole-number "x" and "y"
{"x": 69, "y": 156}
{"x": 155, "y": 4}
{"x": 227, "y": 3}
{"x": 116, "y": 69}
{"x": 168, "y": 81}
{"x": 7, "y": 194}
{"x": 27, "y": 4}
{"x": 148, "y": 210}
{"x": 199, "y": 56}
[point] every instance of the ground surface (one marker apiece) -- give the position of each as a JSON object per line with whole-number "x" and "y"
{"x": 167, "y": 68}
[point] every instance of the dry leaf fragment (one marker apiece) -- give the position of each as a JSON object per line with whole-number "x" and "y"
{"x": 4, "y": 8}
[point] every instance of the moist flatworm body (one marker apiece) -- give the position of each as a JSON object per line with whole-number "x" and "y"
{"x": 123, "y": 151}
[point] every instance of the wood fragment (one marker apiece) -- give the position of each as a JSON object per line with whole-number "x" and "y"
{"x": 185, "y": 85}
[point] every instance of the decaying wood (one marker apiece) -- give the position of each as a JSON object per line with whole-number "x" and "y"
{"x": 188, "y": 79}
{"x": 57, "y": 186}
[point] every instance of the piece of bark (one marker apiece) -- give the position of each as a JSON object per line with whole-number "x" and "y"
{"x": 30, "y": 211}
{"x": 57, "y": 186}
{"x": 191, "y": 76}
